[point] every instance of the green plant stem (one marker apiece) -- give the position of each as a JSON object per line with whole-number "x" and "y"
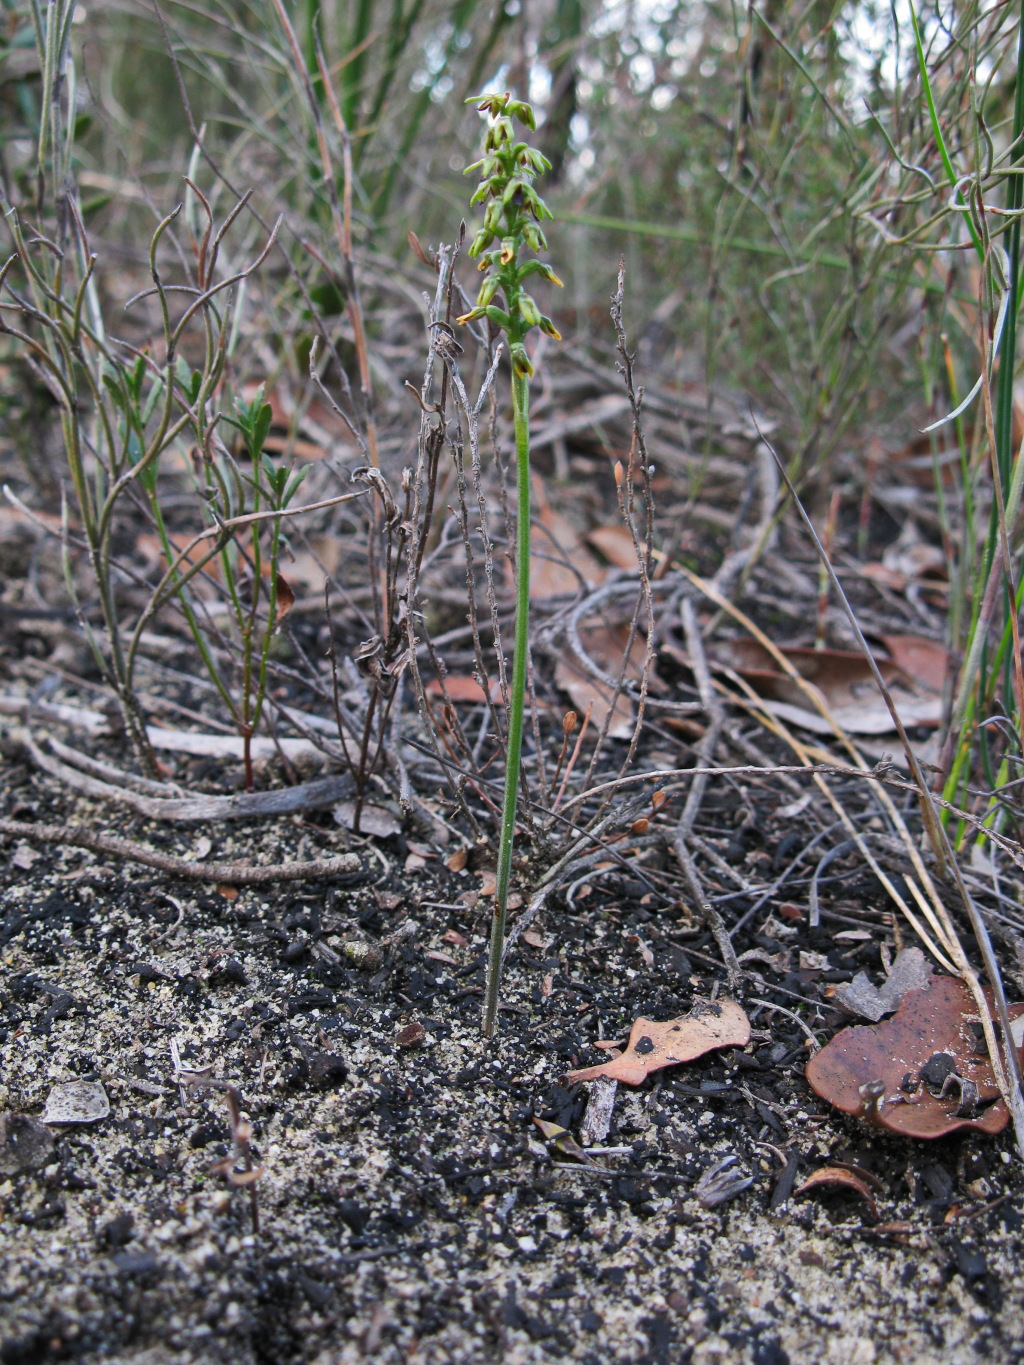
{"x": 517, "y": 697}
{"x": 1008, "y": 341}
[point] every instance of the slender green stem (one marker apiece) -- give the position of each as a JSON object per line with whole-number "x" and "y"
{"x": 1008, "y": 341}
{"x": 517, "y": 697}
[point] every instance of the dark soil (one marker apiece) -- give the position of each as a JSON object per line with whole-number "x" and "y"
{"x": 408, "y": 1209}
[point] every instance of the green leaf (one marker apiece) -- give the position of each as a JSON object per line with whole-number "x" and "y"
{"x": 260, "y": 429}
{"x": 328, "y": 298}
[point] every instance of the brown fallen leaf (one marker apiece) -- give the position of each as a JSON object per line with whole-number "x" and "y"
{"x": 607, "y": 647}
{"x": 845, "y": 681}
{"x": 653, "y": 1044}
{"x": 924, "y": 660}
{"x": 923, "y": 1073}
{"x": 461, "y": 687}
{"x": 412, "y": 1035}
{"x": 616, "y": 544}
{"x": 285, "y": 598}
{"x": 850, "y": 1177}
{"x": 560, "y": 563}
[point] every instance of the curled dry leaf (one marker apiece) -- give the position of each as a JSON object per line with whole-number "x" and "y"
{"x": 848, "y": 1177}
{"x": 720, "y": 1183}
{"x": 653, "y": 1044}
{"x": 923, "y": 1073}
{"x": 910, "y": 972}
{"x": 563, "y": 1141}
{"x": 457, "y": 860}
{"x": 284, "y": 599}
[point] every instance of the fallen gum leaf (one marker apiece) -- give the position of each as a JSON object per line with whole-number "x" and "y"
{"x": 653, "y": 1044}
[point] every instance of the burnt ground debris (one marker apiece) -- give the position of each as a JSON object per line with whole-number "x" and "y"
{"x": 407, "y": 1208}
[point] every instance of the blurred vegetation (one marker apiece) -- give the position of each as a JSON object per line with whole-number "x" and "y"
{"x": 729, "y": 153}
{"x": 816, "y": 201}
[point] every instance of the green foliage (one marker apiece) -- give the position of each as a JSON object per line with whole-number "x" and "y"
{"x": 512, "y": 218}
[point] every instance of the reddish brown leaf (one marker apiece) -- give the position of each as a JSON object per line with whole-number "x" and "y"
{"x": 889, "y": 1074}
{"x": 616, "y": 544}
{"x": 560, "y": 562}
{"x": 845, "y": 681}
{"x": 607, "y": 648}
{"x": 461, "y": 687}
{"x": 850, "y": 1177}
{"x": 920, "y": 658}
{"x": 285, "y": 599}
{"x": 653, "y": 1044}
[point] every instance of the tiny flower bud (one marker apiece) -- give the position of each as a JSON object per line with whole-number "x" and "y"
{"x": 521, "y": 361}
{"x": 528, "y": 311}
{"x": 487, "y": 291}
{"x": 498, "y": 316}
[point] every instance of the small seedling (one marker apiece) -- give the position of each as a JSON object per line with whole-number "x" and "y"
{"x": 512, "y": 223}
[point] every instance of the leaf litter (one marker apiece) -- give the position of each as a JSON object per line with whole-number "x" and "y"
{"x": 844, "y": 679}
{"x": 911, "y": 971}
{"x": 923, "y": 1073}
{"x": 654, "y": 1045}
{"x": 843, "y": 1176}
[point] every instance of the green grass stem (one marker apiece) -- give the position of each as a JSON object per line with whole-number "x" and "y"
{"x": 517, "y": 698}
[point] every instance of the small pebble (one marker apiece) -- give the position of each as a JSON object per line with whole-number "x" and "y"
{"x": 25, "y": 1144}
{"x": 76, "y": 1102}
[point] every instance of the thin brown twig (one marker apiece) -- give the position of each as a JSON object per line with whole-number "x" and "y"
{"x": 239, "y": 874}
